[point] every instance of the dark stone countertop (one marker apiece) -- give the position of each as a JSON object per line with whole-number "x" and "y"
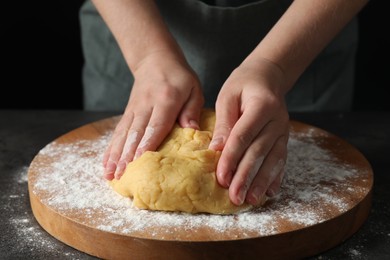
{"x": 23, "y": 133}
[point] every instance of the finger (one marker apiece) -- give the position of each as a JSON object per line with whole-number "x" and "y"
{"x": 227, "y": 113}
{"x": 132, "y": 140}
{"x": 190, "y": 114}
{"x": 274, "y": 188}
{"x": 269, "y": 171}
{"x": 160, "y": 124}
{"x": 115, "y": 149}
{"x": 241, "y": 136}
{"x": 250, "y": 163}
{"x": 106, "y": 155}
{"x": 127, "y": 147}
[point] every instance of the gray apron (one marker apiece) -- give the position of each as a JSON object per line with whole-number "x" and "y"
{"x": 215, "y": 40}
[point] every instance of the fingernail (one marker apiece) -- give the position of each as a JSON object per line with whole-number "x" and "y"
{"x": 226, "y": 179}
{"x": 120, "y": 169}
{"x": 138, "y": 153}
{"x": 108, "y": 177}
{"x": 257, "y": 193}
{"x": 193, "y": 124}
{"x": 270, "y": 193}
{"x": 110, "y": 168}
{"x": 241, "y": 196}
{"x": 215, "y": 142}
{"x": 277, "y": 168}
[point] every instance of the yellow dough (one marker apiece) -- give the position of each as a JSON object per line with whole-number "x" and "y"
{"x": 180, "y": 175}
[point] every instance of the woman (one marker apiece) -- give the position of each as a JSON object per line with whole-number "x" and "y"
{"x": 253, "y": 60}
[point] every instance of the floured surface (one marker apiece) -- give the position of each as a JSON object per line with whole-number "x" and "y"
{"x": 325, "y": 177}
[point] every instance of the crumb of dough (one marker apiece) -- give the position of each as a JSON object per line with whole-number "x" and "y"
{"x": 180, "y": 175}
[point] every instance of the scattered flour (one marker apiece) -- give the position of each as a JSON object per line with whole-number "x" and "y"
{"x": 354, "y": 253}
{"x": 21, "y": 176}
{"x": 311, "y": 189}
{"x": 29, "y": 236}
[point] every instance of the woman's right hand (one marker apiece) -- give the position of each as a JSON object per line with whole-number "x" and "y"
{"x": 165, "y": 90}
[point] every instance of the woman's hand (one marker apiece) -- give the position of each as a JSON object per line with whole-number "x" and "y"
{"x": 164, "y": 90}
{"x": 165, "y": 87}
{"x": 252, "y": 120}
{"x": 252, "y": 129}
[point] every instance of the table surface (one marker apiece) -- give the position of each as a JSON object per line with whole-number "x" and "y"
{"x": 24, "y": 132}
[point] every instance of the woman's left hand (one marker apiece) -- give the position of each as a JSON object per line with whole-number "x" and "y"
{"x": 252, "y": 129}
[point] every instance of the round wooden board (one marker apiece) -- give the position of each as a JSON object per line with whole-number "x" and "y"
{"x": 81, "y": 227}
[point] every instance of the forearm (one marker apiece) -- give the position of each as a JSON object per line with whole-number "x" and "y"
{"x": 139, "y": 30}
{"x": 301, "y": 33}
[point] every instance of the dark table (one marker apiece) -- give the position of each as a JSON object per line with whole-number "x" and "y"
{"x": 23, "y": 133}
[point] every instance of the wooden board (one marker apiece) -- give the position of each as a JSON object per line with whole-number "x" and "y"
{"x": 292, "y": 225}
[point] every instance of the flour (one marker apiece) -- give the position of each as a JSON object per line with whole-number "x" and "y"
{"x": 145, "y": 139}
{"x": 22, "y": 234}
{"x": 354, "y": 253}
{"x": 131, "y": 139}
{"x": 310, "y": 193}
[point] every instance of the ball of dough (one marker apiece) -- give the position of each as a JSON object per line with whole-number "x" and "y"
{"x": 180, "y": 175}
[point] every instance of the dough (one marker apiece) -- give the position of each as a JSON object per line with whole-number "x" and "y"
{"x": 180, "y": 175}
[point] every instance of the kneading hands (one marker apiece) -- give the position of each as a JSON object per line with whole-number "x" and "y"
{"x": 252, "y": 122}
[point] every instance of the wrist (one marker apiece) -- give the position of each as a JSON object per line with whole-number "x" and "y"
{"x": 158, "y": 59}
{"x": 165, "y": 70}
{"x": 270, "y": 71}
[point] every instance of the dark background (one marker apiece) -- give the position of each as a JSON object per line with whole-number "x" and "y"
{"x": 42, "y": 56}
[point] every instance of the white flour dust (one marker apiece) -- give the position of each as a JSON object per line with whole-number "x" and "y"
{"x": 312, "y": 185}
{"x": 26, "y": 232}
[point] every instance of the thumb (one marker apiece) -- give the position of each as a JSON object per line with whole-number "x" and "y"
{"x": 227, "y": 114}
{"x": 190, "y": 113}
